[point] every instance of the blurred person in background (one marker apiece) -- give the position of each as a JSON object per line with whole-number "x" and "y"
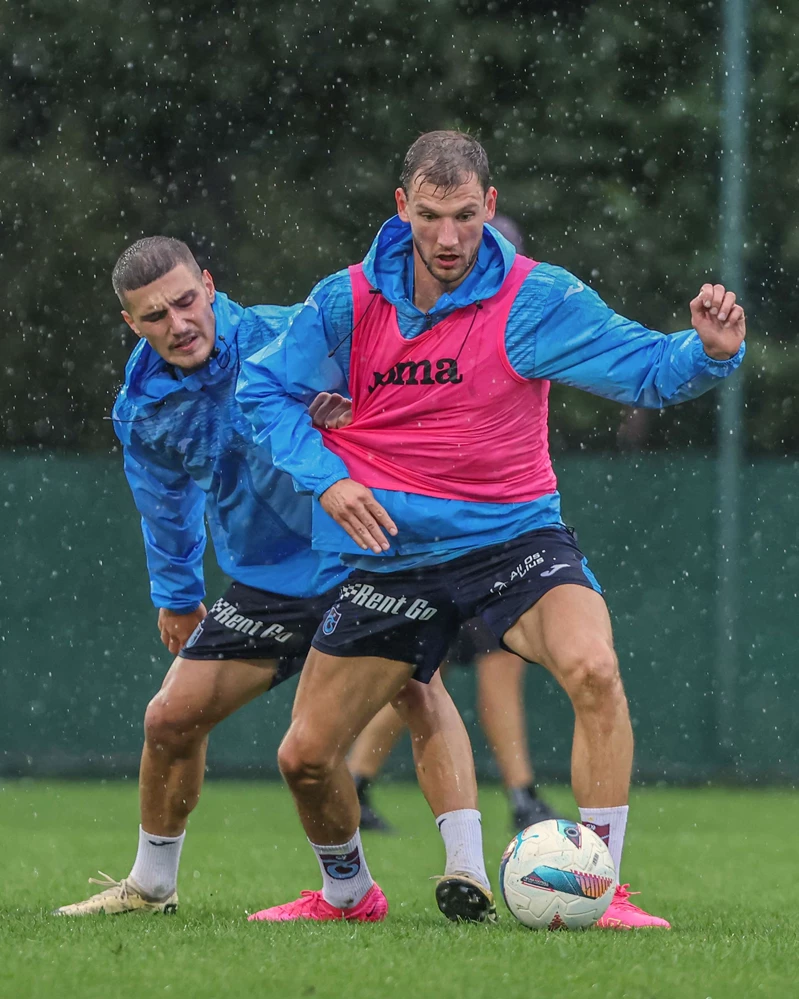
{"x": 188, "y": 456}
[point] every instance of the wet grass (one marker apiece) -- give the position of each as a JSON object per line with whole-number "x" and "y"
{"x": 721, "y": 865}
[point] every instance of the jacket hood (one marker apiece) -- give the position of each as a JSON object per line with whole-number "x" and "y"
{"x": 150, "y": 381}
{"x": 389, "y": 266}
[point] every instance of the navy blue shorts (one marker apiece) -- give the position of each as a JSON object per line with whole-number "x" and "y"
{"x": 414, "y": 615}
{"x": 250, "y": 624}
{"x": 474, "y": 639}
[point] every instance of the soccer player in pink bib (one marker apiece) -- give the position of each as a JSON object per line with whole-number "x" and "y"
{"x": 441, "y": 492}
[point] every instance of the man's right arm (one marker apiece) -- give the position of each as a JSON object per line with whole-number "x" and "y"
{"x": 277, "y": 386}
{"x": 172, "y": 508}
{"x": 278, "y": 383}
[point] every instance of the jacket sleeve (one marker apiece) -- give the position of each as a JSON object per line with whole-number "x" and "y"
{"x": 581, "y": 342}
{"x": 277, "y": 384}
{"x": 172, "y": 508}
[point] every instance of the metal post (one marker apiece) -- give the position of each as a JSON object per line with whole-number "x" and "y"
{"x": 733, "y": 165}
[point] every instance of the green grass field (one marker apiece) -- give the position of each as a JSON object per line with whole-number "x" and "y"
{"x": 721, "y": 865}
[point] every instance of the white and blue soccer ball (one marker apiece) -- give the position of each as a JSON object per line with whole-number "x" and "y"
{"x": 557, "y": 875}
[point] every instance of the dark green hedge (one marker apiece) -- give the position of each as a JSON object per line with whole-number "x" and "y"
{"x": 269, "y": 136}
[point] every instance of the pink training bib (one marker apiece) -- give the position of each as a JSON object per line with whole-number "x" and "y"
{"x": 444, "y": 415}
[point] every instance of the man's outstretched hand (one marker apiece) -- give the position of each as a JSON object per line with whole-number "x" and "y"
{"x": 354, "y": 507}
{"x": 719, "y": 321}
{"x": 331, "y": 410}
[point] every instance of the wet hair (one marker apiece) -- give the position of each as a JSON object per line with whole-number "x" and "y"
{"x": 445, "y": 159}
{"x": 148, "y": 260}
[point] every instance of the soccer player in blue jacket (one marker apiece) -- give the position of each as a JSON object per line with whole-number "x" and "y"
{"x": 445, "y": 339}
{"x": 189, "y": 457}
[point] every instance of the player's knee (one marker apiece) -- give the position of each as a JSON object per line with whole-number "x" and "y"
{"x": 592, "y": 677}
{"x": 301, "y": 762}
{"x": 167, "y": 726}
{"x": 413, "y": 699}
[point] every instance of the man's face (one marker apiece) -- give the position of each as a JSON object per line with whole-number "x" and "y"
{"x": 175, "y": 317}
{"x": 447, "y": 227}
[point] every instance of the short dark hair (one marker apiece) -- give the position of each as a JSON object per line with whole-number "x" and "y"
{"x": 148, "y": 260}
{"x": 446, "y": 159}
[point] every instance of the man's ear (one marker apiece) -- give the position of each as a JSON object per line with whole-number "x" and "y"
{"x": 208, "y": 281}
{"x": 129, "y": 320}
{"x": 491, "y": 203}
{"x": 402, "y": 204}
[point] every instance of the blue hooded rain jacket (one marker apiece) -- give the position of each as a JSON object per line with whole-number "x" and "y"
{"x": 558, "y": 329}
{"x": 189, "y": 456}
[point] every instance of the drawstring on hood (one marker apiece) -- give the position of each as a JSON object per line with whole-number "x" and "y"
{"x": 374, "y": 292}
{"x": 477, "y": 307}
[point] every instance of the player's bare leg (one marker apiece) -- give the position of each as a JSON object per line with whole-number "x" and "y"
{"x": 442, "y": 751}
{"x": 568, "y": 631}
{"x": 500, "y": 703}
{"x": 445, "y": 770}
{"x": 195, "y": 696}
{"x": 375, "y": 743}
{"x": 369, "y": 753}
{"x": 336, "y": 698}
{"x": 440, "y": 743}
{"x": 500, "y": 678}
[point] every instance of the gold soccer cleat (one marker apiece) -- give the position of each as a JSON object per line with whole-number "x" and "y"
{"x": 119, "y": 897}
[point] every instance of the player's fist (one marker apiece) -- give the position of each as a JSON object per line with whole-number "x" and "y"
{"x": 354, "y": 507}
{"x": 719, "y": 321}
{"x": 331, "y": 410}
{"x": 176, "y": 626}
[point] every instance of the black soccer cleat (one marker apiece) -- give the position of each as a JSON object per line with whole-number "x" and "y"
{"x": 463, "y": 899}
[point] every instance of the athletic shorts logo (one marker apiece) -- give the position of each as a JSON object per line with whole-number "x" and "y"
{"x": 194, "y": 636}
{"x": 228, "y": 614}
{"x": 342, "y": 865}
{"x": 530, "y": 562}
{"x": 555, "y": 569}
{"x": 331, "y": 620}
{"x": 365, "y": 596}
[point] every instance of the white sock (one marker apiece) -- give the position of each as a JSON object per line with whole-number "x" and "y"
{"x": 462, "y": 833}
{"x": 345, "y": 875}
{"x": 155, "y": 870}
{"x": 609, "y": 825}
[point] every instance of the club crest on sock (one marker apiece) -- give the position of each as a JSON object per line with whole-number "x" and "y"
{"x": 341, "y": 866}
{"x": 602, "y": 830}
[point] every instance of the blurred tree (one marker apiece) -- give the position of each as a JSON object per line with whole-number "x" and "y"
{"x": 269, "y": 136}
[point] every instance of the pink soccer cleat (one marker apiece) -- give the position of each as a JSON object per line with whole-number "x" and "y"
{"x": 313, "y": 906}
{"x": 622, "y": 915}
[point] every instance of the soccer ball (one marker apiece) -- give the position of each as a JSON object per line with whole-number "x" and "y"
{"x": 557, "y": 875}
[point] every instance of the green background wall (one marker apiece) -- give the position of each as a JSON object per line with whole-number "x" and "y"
{"x": 80, "y": 656}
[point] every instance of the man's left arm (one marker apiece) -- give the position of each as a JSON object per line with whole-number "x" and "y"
{"x": 579, "y": 341}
